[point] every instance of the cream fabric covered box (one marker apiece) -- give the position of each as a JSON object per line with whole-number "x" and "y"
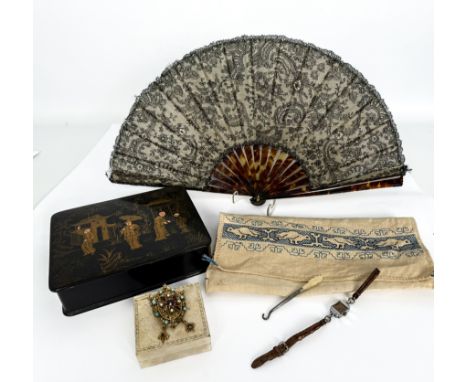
{"x": 150, "y": 350}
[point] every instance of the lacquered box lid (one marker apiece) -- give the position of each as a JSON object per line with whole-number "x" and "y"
{"x": 101, "y": 239}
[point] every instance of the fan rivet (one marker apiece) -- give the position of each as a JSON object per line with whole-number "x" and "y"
{"x": 257, "y": 200}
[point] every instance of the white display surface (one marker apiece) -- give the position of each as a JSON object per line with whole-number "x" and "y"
{"x": 386, "y": 337}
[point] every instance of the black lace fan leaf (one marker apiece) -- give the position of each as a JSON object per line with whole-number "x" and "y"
{"x": 265, "y": 116}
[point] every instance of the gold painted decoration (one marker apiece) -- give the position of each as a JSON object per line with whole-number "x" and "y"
{"x": 103, "y": 252}
{"x": 115, "y": 235}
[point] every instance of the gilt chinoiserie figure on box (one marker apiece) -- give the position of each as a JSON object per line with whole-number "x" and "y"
{"x": 107, "y": 251}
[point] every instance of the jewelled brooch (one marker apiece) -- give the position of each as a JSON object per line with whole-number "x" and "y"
{"x": 169, "y": 306}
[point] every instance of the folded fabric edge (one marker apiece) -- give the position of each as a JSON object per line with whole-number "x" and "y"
{"x": 221, "y": 281}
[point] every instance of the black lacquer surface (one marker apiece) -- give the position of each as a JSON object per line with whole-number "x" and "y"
{"x": 104, "y": 252}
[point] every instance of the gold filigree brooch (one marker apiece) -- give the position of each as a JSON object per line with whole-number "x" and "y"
{"x": 169, "y": 306}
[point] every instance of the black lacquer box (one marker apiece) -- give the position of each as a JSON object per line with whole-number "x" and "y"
{"x": 105, "y": 252}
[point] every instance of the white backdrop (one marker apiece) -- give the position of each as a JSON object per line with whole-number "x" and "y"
{"x": 93, "y": 57}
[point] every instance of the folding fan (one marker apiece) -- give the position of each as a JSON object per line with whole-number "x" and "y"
{"x": 264, "y": 116}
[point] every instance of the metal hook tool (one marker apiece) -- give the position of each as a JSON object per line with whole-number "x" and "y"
{"x": 282, "y": 302}
{"x": 310, "y": 284}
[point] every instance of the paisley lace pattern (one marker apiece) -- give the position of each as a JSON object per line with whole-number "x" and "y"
{"x": 265, "y": 89}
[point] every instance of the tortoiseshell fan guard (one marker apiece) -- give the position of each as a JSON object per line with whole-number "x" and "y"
{"x": 264, "y": 116}
{"x": 261, "y": 171}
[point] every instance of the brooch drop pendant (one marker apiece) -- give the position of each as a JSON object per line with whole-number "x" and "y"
{"x": 169, "y": 306}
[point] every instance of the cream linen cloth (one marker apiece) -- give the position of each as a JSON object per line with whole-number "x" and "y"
{"x": 276, "y": 255}
{"x": 149, "y": 348}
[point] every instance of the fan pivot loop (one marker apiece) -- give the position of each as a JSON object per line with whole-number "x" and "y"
{"x": 257, "y": 200}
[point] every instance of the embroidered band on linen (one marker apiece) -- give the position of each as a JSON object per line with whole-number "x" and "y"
{"x": 276, "y": 255}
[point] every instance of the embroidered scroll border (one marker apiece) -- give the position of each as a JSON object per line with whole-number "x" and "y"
{"x": 316, "y": 228}
{"x": 317, "y": 244}
{"x": 320, "y": 254}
